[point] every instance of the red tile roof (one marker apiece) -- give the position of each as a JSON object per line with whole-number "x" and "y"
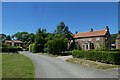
{"x": 95, "y": 33}
{"x": 15, "y": 41}
{"x": 8, "y": 41}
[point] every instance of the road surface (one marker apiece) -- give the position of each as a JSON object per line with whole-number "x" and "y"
{"x": 52, "y": 67}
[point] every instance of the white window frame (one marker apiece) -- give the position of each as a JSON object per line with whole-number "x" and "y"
{"x": 90, "y": 39}
{"x": 83, "y": 39}
{"x": 97, "y": 39}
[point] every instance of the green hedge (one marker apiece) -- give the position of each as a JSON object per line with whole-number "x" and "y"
{"x": 31, "y": 47}
{"x": 35, "y": 48}
{"x": 10, "y": 49}
{"x": 102, "y": 56}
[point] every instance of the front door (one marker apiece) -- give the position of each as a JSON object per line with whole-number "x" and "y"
{"x": 87, "y": 46}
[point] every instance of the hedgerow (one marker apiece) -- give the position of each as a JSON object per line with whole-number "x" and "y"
{"x": 112, "y": 57}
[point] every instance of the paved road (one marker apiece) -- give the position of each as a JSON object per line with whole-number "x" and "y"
{"x": 51, "y": 67}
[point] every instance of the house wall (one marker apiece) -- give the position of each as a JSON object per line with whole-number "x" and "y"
{"x": 12, "y": 43}
{"x": 117, "y": 43}
{"x": 97, "y": 42}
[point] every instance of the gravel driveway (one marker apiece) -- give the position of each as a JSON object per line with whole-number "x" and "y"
{"x": 52, "y": 67}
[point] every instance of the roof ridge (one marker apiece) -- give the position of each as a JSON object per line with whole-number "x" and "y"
{"x": 93, "y": 31}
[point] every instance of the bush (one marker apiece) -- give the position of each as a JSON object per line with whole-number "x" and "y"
{"x": 102, "y": 56}
{"x": 6, "y": 45}
{"x": 31, "y": 47}
{"x": 77, "y": 46}
{"x": 35, "y": 48}
{"x": 46, "y": 50}
{"x": 115, "y": 50}
{"x": 10, "y": 49}
{"x": 56, "y": 46}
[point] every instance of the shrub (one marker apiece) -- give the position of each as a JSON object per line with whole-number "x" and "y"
{"x": 102, "y": 56}
{"x": 35, "y": 48}
{"x": 10, "y": 49}
{"x": 46, "y": 50}
{"x": 31, "y": 47}
{"x": 6, "y": 45}
{"x": 56, "y": 46}
{"x": 77, "y": 46}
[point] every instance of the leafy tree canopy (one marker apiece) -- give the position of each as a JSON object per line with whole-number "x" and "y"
{"x": 63, "y": 29}
{"x": 113, "y": 36}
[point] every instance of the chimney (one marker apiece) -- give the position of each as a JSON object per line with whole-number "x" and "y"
{"x": 107, "y": 28}
{"x": 76, "y": 32}
{"x": 91, "y": 30}
{"x": 119, "y": 32}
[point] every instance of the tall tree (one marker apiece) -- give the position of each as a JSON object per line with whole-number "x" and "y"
{"x": 113, "y": 36}
{"x": 22, "y": 36}
{"x": 8, "y": 37}
{"x": 40, "y": 38}
{"x": 25, "y": 37}
{"x": 2, "y": 37}
{"x": 63, "y": 29}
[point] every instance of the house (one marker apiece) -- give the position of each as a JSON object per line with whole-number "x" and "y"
{"x": 14, "y": 42}
{"x": 94, "y": 39}
{"x": 118, "y": 41}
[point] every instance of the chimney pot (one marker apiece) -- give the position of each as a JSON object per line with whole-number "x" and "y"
{"x": 91, "y": 30}
{"x": 107, "y": 28}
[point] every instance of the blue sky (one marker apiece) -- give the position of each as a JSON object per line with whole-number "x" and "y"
{"x": 79, "y": 16}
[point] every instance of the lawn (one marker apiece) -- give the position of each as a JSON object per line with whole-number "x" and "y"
{"x": 17, "y": 66}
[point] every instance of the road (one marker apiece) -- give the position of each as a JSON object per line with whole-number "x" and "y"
{"x": 52, "y": 67}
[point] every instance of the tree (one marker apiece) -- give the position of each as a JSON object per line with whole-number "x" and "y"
{"x": 63, "y": 29}
{"x": 40, "y": 38}
{"x": 22, "y": 36}
{"x": 57, "y": 44}
{"x": 113, "y": 36}
{"x": 8, "y": 37}
{"x": 25, "y": 37}
{"x": 31, "y": 40}
{"x": 2, "y": 37}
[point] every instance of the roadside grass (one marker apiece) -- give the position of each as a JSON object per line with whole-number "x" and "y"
{"x": 17, "y": 66}
{"x": 92, "y": 64}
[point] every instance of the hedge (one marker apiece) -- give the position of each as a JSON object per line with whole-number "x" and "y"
{"x": 10, "y": 49}
{"x": 102, "y": 56}
{"x": 35, "y": 48}
{"x": 31, "y": 47}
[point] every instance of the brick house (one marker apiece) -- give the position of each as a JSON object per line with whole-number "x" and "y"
{"x": 14, "y": 42}
{"x": 118, "y": 41}
{"x": 94, "y": 39}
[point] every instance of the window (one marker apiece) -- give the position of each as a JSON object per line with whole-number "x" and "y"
{"x": 83, "y": 39}
{"x": 83, "y": 46}
{"x": 97, "y": 39}
{"x": 97, "y": 46}
{"x": 89, "y": 39}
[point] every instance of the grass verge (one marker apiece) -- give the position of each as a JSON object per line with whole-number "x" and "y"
{"x": 17, "y": 66}
{"x": 92, "y": 64}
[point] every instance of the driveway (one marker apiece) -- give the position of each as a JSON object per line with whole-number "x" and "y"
{"x": 52, "y": 67}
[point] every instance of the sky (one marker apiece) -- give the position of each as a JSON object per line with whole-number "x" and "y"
{"x": 78, "y": 16}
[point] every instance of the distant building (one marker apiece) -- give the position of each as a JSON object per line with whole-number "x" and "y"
{"x": 93, "y": 39}
{"x": 118, "y": 41}
{"x": 13, "y": 42}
